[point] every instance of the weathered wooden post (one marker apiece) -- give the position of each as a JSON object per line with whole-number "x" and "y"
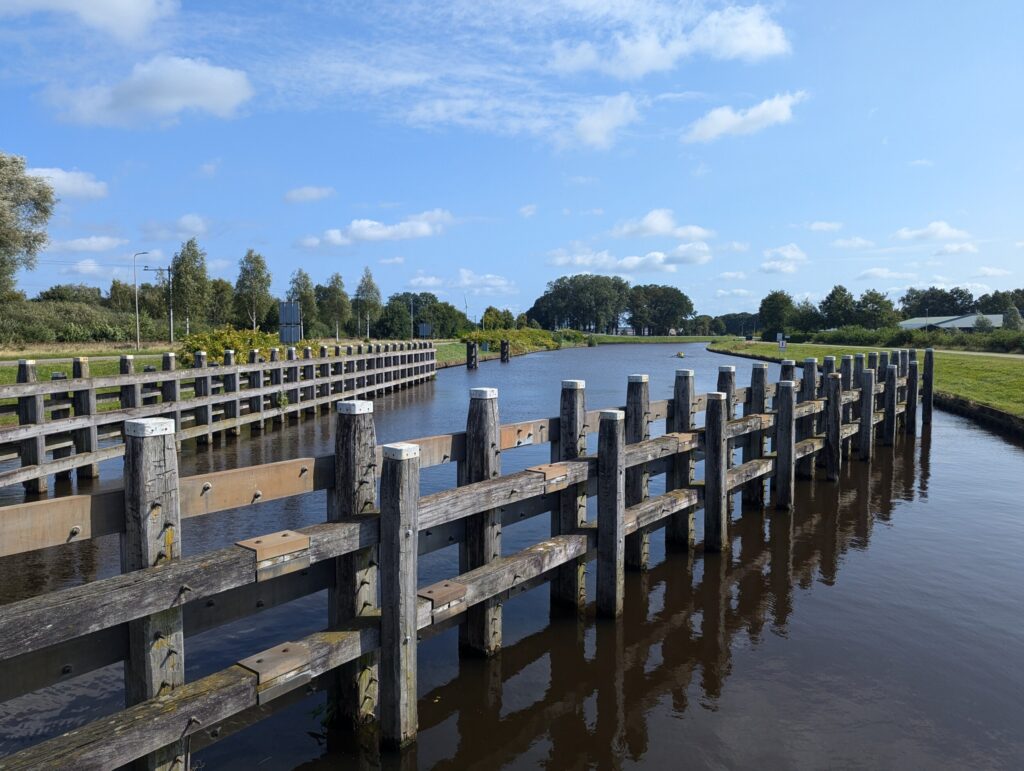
{"x": 638, "y": 410}
{"x": 131, "y": 392}
{"x": 833, "y": 451}
{"x": 31, "y": 411}
{"x": 254, "y": 382}
{"x": 883, "y": 364}
{"x": 152, "y": 536}
{"x": 716, "y": 448}
{"x": 787, "y": 370}
{"x": 60, "y": 413}
{"x": 805, "y": 426}
{"x": 354, "y": 591}
{"x": 568, "y": 587}
{"x": 291, "y": 376}
{"x": 506, "y": 352}
{"x": 846, "y": 371}
{"x": 399, "y": 495}
{"x": 201, "y": 390}
{"x": 873, "y": 362}
{"x": 866, "y": 433}
{"x": 858, "y": 376}
{"x": 784, "y": 477}
{"x": 230, "y": 380}
{"x": 276, "y": 380}
{"x": 927, "y": 391}
{"x": 910, "y": 416}
{"x": 309, "y": 381}
{"x": 481, "y": 631}
{"x": 324, "y": 372}
{"x": 753, "y": 448}
{"x": 727, "y": 385}
{"x": 84, "y": 403}
{"x": 611, "y": 513}
{"x": 890, "y": 396}
{"x": 681, "y": 529}
{"x": 471, "y": 355}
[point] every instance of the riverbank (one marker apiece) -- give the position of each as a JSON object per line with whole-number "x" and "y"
{"x": 989, "y": 389}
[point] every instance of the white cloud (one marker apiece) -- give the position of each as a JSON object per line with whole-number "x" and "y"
{"x": 734, "y": 246}
{"x": 964, "y": 248}
{"x": 159, "y": 90}
{"x": 660, "y": 222}
{"x": 485, "y": 283}
{"x": 732, "y": 293}
{"x": 598, "y": 124}
{"x": 922, "y": 162}
{"x": 824, "y": 227}
{"x": 71, "y": 184}
{"x": 856, "y": 242}
{"x": 528, "y": 210}
{"x": 308, "y": 193}
{"x": 885, "y": 273}
{"x": 933, "y": 231}
{"x": 87, "y": 244}
{"x": 209, "y": 168}
{"x": 732, "y": 275}
{"x": 428, "y": 223}
{"x": 783, "y": 259}
{"x": 190, "y": 225}
{"x": 581, "y": 256}
{"x": 126, "y": 20}
{"x": 1019, "y": 244}
{"x": 335, "y": 237}
{"x": 186, "y": 226}
{"x": 987, "y": 272}
{"x": 309, "y": 242}
{"x": 726, "y": 120}
{"x": 393, "y": 260}
{"x": 695, "y": 253}
{"x": 422, "y": 281}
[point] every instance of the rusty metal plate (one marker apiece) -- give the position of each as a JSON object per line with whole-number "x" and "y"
{"x": 275, "y": 544}
{"x": 443, "y": 592}
{"x": 275, "y": 662}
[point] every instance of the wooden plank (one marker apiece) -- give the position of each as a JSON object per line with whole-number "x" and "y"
{"x": 833, "y": 426}
{"x": 31, "y": 412}
{"x": 611, "y": 513}
{"x": 784, "y": 445}
{"x": 910, "y": 421}
{"x": 716, "y": 449}
{"x": 754, "y": 447}
{"x": 681, "y": 530}
{"x": 638, "y": 429}
{"x": 888, "y": 435}
{"x": 568, "y": 586}
{"x": 806, "y": 423}
{"x": 653, "y": 510}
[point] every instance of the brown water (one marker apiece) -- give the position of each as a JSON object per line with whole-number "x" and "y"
{"x": 879, "y": 625}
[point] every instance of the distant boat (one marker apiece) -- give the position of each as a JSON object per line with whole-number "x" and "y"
{"x": 681, "y": 355}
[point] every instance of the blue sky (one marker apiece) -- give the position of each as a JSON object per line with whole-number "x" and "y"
{"x": 479, "y": 150}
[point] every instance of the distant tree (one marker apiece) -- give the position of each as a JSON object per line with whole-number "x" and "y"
{"x": 191, "y": 285}
{"x": 74, "y": 293}
{"x": 1012, "y": 319}
{"x": 838, "y": 309}
{"x": 669, "y": 308}
{"x": 983, "y": 323}
{"x": 521, "y": 321}
{"x": 394, "y": 321}
{"x": 507, "y": 320}
{"x": 584, "y": 302}
{"x": 717, "y": 326}
{"x": 300, "y": 290}
{"x": 252, "y": 289}
{"x": 222, "y": 302}
{"x": 774, "y": 313}
{"x": 26, "y": 204}
{"x": 491, "y": 318}
{"x": 333, "y": 305}
{"x": 701, "y": 325}
{"x": 366, "y": 303}
{"x": 806, "y": 317}
{"x": 875, "y": 311}
{"x": 534, "y": 324}
{"x": 738, "y": 323}
{"x": 934, "y": 301}
{"x": 641, "y": 317}
{"x": 152, "y": 298}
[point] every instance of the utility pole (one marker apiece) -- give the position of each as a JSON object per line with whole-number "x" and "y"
{"x": 135, "y": 280}
{"x": 170, "y": 300}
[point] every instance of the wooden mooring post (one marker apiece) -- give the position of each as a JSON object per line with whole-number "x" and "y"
{"x": 30, "y": 412}
{"x": 611, "y": 513}
{"x": 83, "y": 401}
{"x": 506, "y": 352}
{"x": 716, "y": 494}
{"x": 754, "y": 445}
{"x": 680, "y": 531}
{"x": 784, "y": 445}
{"x": 568, "y": 587}
{"x": 638, "y": 410}
{"x": 472, "y": 355}
{"x": 927, "y": 392}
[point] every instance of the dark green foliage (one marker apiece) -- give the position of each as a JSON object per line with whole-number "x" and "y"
{"x": 47, "y": 321}
{"x": 191, "y": 285}
{"x": 584, "y": 302}
{"x": 75, "y": 293}
{"x": 839, "y": 308}
{"x": 775, "y": 313}
{"x": 658, "y": 309}
{"x": 937, "y": 302}
{"x": 301, "y": 290}
{"x": 26, "y": 204}
{"x": 394, "y": 323}
{"x": 216, "y": 341}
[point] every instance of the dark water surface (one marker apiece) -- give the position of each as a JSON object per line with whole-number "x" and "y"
{"x": 881, "y": 624}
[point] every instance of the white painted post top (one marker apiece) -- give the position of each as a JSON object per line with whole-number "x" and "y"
{"x": 229, "y": 350}
{"x": 727, "y": 368}
{"x": 759, "y": 365}
{"x": 128, "y": 356}
{"x": 26, "y": 362}
{"x": 612, "y": 415}
{"x": 638, "y": 378}
{"x": 171, "y": 355}
{"x": 811, "y": 360}
{"x": 790, "y": 362}
{"x": 574, "y": 385}
{"x": 149, "y": 427}
{"x": 832, "y": 358}
{"x": 715, "y": 396}
{"x": 684, "y": 373}
{"x": 355, "y": 407}
{"x": 787, "y": 384}
{"x": 483, "y": 393}
{"x": 848, "y": 357}
{"x": 401, "y": 451}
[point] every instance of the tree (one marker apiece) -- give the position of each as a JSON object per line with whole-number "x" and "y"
{"x": 491, "y": 318}
{"x": 1012, "y": 319}
{"x": 738, "y": 323}
{"x": 26, "y": 204}
{"x": 301, "y": 290}
{"x": 191, "y": 286}
{"x": 775, "y": 312}
{"x": 521, "y": 321}
{"x": 669, "y": 308}
{"x": 998, "y": 301}
{"x": 333, "y": 305}
{"x": 121, "y": 296}
{"x": 806, "y": 317}
{"x": 366, "y": 305}
{"x": 875, "y": 311}
{"x": 73, "y": 293}
{"x": 838, "y": 309}
{"x": 394, "y": 321}
{"x": 933, "y": 301}
{"x": 222, "y": 301}
{"x": 584, "y": 302}
{"x": 983, "y": 323}
{"x": 252, "y": 289}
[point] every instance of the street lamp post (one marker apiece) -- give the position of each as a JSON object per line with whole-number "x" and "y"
{"x": 135, "y": 280}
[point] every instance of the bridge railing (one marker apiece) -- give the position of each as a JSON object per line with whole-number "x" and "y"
{"x": 366, "y": 551}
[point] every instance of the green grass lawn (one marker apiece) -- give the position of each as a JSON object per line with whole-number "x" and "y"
{"x": 995, "y": 381}
{"x": 9, "y": 374}
{"x": 613, "y": 339}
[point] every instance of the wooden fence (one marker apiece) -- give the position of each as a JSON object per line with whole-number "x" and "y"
{"x": 366, "y": 551}
{"x": 66, "y": 425}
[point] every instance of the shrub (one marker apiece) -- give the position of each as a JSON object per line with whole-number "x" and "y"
{"x": 227, "y": 338}
{"x": 520, "y": 340}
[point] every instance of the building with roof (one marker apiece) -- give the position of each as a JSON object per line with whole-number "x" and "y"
{"x": 966, "y": 323}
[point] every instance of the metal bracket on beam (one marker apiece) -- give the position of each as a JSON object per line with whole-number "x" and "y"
{"x": 279, "y": 670}
{"x": 556, "y": 475}
{"x": 278, "y": 553}
{"x": 443, "y": 594}
{"x": 513, "y": 436}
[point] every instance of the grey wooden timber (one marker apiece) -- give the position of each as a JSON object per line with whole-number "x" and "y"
{"x": 805, "y": 426}
{"x": 86, "y": 439}
{"x": 784, "y": 444}
{"x": 681, "y": 530}
{"x": 754, "y": 446}
{"x": 716, "y": 448}
{"x": 833, "y": 425}
{"x": 638, "y": 408}
{"x": 866, "y": 434}
{"x": 910, "y": 415}
{"x": 611, "y": 513}
{"x": 787, "y": 370}
{"x": 568, "y": 586}
{"x": 31, "y": 411}
{"x": 927, "y": 392}
{"x": 890, "y": 397}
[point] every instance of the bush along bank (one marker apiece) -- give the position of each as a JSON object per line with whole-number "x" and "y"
{"x": 994, "y": 341}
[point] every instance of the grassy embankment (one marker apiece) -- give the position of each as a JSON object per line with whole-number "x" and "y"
{"x": 619, "y": 339}
{"x": 992, "y": 381}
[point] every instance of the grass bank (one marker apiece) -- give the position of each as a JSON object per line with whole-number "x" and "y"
{"x": 620, "y": 339}
{"x": 995, "y": 382}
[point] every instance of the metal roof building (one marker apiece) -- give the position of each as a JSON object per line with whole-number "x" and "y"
{"x": 963, "y": 323}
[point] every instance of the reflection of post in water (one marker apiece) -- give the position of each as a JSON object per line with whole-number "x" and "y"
{"x": 750, "y": 583}
{"x": 568, "y": 729}
{"x": 828, "y": 501}
{"x": 925, "y": 460}
{"x": 780, "y": 575}
{"x": 881, "y": 492}
{"x": 610, "y": 698}
{"x": 862, "y": 504}
{"x": 713, "y": 601}
{"x": 906, "y": 461}
{"x": 634, "y": 680}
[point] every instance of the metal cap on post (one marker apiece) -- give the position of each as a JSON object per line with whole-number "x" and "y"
{"x": 148, "y": 427}
{"x": 638, "y": 378}
{"x": 483, "y": 393}
{"x": 354, "y": 407}
{"x": 574, "y": 385}
{"x": 612, "y": 415}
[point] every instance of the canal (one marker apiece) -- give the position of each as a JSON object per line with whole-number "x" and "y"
{"x": 880, "y": 624}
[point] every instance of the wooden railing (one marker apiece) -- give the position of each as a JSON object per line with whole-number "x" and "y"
{"x": 366, "y": 548}
{"x": 78, "y": 422}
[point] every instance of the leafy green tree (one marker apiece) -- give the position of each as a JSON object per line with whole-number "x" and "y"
{"x": 491, "y": 318}
{"x": 508, "y": 321}
{"x": 366, "y": 303}
{"x": 806, "y": 317}
{"x": 26, "y": 204}
{"x": 738, "y": 323}
{"x": 121, "y": 296}
{"x": 394, "y": 322}
{"x": 775, "y": 312}
{"x": 191, "y": 285}
{"x": 74, "y": 293}
{"x": 301, "y": 290}
{"x": 333, "y": 304}
{"x": 222, "y": 302}
{"x": 983, "y": 323}
{"x": 839, "y": 308}
{"x": 934, "y": 301}
{"x": 875, "y": 310}
{"x": 1012, "y": 319}
{"x": 252, "y": 289}
{"x": 667, "y": 307}
{"x": 584, "y": 302}
{"x": 521, "y": 321}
